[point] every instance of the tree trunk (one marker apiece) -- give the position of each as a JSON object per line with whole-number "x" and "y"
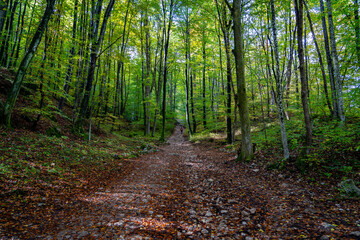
{"x": 16, "y": 38}
{"x": 3, "y": 11}
{"x": 320, "y": 60}
{"x": 6, "y": 40}
{"x": 167, "y": 37}
{"x": 15, "y": 89}
{"x": 329, "y": 60}
{"x": 357, "y": 29}
{"x": 225, "y": 28}
{"x": 279, "y": 87}
{"x": 17, "y": 53}
{"x": 204, "y": 86}
{"x": 339, "y": 99}
{"x": 95, "y": 47}
{"x": 71, "y": 58}
{"x": 147, "y": 76}
{"x": 192, "y": 77}
{"x": 246, "y": 144}
{"x": 143, "y": 75}
{"x": 161, "y": 75}
{"x": 304, "y": 84}
{"x": 41, "y": 88}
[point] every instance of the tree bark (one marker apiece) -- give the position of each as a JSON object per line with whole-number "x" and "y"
{"x": 187, "y": 69}
{"x": 339, "y": 99}
{"x": 147, "y": 76}
{"x": 204, "y": 79}
{"x": 3, "y": 11}
{"x": 246, "y": 144}
{"x": 357, "y": 29}
{"x": 167, "y": 37}
{"x": 329, "y": 60}
{"x": 94, "y": 51}
{"x": 71, "y": 58}
{"x": 160, "y": 78}
{"x": 192, "y": 76}
{"x": 17, "y": 53}
{"x": 6, "y": 40}
{"x": 320, "y": 60}
{"x": 304, "y": 84}
{"x": 225, "y": 28}
{"x": 279, "y": 87}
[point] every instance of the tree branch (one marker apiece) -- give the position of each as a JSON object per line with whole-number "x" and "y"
{"x": 229, "y": 6}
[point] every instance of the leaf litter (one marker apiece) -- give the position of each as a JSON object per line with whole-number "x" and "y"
{"x": 183, "y": 191}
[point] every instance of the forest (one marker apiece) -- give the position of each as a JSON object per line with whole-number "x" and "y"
{"x": 86, "y": 87}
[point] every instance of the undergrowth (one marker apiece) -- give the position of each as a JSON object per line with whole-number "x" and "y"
{"x": 335, "y": 152}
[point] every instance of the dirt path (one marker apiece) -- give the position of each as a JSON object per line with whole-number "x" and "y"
{"x": 187, "y": 191}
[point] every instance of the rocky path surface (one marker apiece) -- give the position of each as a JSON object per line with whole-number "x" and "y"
{"x": 190, "y": 191}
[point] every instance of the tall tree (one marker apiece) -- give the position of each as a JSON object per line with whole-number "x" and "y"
{"x": 357, "y": 29}
{"x": 225, "y": 24}
{"x": 320, "y": 59}
{"x": 167, "y": 39}
{"x": 15, "y": 89}
{"x": 329, "y": 60}
{"x": 299, "y": 5}
{"x": 96, "y": 40}
{"x": 148, "y": 70}
{"x": 335, "y": 58}
{"x": 4, "y": 50}
{"x": 246, "y": 144}
{"x": 71, "y": 58}
{"x": 187, "y": 66}
{"x": 204, "y": 73}
{"x": 279, "y": 82}
{"x": 3, "y": 10}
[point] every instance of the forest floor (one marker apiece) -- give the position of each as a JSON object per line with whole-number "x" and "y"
{"x": 193, "y": 191}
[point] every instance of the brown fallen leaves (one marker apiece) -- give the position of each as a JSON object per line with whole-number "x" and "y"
{"x": 183, "y": 191}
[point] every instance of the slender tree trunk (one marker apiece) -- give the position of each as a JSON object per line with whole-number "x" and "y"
{"x": 15, "y": 39}
{"x": 228, "y": 88}
{"x": 246, "y": 144}
{"x": 117, "y": 89}
{"x": 304, "y": 84}
{"x": 289, "y": 67}
{"x": 147, "y": 77}
{"x": 161, "y": 75}
{"x": 357, "y": 29}
{"x": 339, "y": 100}
{"x": 329, "y": 60}
{"x": 279, "y": 87}
{"x": 121, "y": 63}
{"x": 143, "y": 76}
{"x": 95, "y": 47}
{"x": 17, "y": 53}
{"x": 3, "y": 11}
{"x": 225, "y": 27}
{"x": 192, "y": 79}
{"x": 204, "y": 86}
{"x": 187, "y": 86}
{"x": 71, "y": 58}
{"x": 221, "y": 70}
{"x": 6, "y": 41}
{"x": 162, "y": 138}
{"x": 320, "y": 60}
{"x": 41, "y": 88}
{"x": 15, "y": 89}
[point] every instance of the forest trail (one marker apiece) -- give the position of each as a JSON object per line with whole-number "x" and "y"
{"x": 192, "y": 191}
